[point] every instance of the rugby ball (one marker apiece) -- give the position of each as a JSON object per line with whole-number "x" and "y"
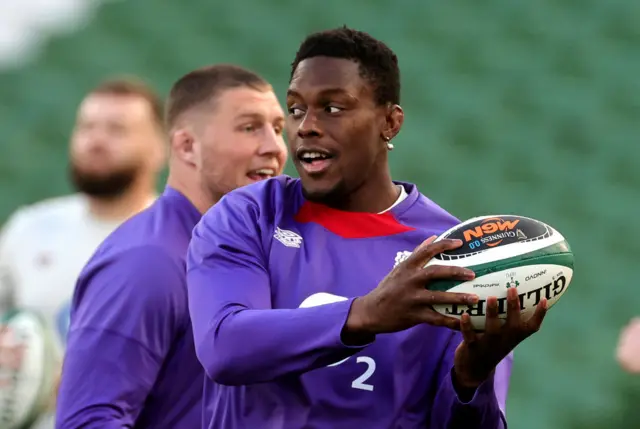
{"x": 28, "y": 368}
{"x": 505, "y": 252}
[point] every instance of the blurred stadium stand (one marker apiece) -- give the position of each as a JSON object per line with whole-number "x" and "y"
{"x": 513, "y": 106}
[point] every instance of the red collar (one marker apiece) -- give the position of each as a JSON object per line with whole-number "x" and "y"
{"x": 351, "y": 224}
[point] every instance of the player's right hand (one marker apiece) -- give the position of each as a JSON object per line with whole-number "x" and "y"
{"x": 402, "y": 299}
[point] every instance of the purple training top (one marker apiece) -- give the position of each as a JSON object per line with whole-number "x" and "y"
{"x": 261, "y": 254}
{"x": 130, "y": 360}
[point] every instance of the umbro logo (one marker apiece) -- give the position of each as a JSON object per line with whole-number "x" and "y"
{"x": 288, "y": 238}
{"x": 401, "y": 257}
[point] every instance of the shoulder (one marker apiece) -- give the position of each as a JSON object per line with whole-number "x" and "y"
{"x": 244, "y": 220}
{"x": 425, "y": 214}
{"x": 27, "y": 222}
{"x": 52, "y": 208}
{"x": 143, "y": 272}
{"x": 57, "y": 205}
{"x": 435, "y": 211}
{"x": 265, "y": 195}
{"x": 57, "y": 209}
{"x": 160, "y": 226}
{"x": 258, "y": 204}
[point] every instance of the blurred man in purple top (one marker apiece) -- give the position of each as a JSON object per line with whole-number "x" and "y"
{"x": 309, "y": 309}
{"x": 130, "y": 360}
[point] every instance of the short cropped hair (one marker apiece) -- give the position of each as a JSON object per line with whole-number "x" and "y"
{"x": 132, "y": 86}
{"x": 378, "y": 63}
{"x": 204, "y": 85}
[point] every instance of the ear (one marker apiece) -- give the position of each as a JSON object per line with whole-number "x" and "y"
{"x": 394, "y": 118}
{"x": 184, "y": 147}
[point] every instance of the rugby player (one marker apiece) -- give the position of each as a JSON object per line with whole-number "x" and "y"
{"x": 300, "y": 318}
{"x": 130, "y": 360}
{"x": 116, "y": 151}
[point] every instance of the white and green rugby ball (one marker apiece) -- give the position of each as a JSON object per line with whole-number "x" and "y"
{"x": 506, "y": 251}
{"x": 28, "y": 368}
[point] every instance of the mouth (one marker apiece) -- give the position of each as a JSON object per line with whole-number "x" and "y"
{"x": 261, "y": 174}
{"x": 315, "y": 161}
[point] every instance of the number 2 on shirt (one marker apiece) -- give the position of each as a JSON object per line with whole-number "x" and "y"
{"x": 360, "y": 381}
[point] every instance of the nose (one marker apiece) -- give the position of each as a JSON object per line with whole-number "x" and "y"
{"x": 272, "y": 144}
{"x": 93, "y": 143}
{"x": 309, "y": 126}
{"x": 92, "y": 138}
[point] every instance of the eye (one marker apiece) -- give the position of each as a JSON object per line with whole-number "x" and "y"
{"x": 296, "y": 112}
{"x": 117, "y": 129}
{"x": 248, "y": 128}
{"x": 333, "y": 109}
{"x": 277, "y": 129}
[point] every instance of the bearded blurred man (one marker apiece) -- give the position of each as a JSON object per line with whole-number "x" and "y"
{"x": 117, "y": 150}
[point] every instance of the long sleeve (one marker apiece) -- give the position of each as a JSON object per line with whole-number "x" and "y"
{"x": 486, "y": 410}
{"x": 239, "y": 337}
{"x": 122, "y": 323}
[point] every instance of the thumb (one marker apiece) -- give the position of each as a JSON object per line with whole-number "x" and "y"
{"x": 428, "y": 249}
{"x": 422, "y": 245}
{"x": 426, "y": 242}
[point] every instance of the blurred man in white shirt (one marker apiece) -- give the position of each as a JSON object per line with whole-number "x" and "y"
{"x": 117, "y": 150}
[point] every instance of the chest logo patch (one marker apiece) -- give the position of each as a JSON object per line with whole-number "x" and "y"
{"x": 288, "y": 238}
{"x": 401, "y": 257}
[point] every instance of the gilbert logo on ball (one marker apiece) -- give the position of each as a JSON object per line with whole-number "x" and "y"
{"x": 506, "y": 251}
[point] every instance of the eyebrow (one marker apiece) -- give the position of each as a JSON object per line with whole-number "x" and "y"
{"x": 324, "y": 93}
{"x": 249, "y": 116}
{"x": 254, "y": 116}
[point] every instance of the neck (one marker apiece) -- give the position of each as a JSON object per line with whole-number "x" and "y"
{"x": 123, "y": 206}
{"x": 184, "y": 180}
{"x": 375, "y": 195}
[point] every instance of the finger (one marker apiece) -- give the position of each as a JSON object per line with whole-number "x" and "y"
{"x": 426, "y": 242}
{"x": 535, "y": 321}
{"x": 432, "y": 317}
{"x": 466, "y": 328}
{"x": 492, "y": 322}
{"x": 434, "y": 297}
{"x": 423, "y": 279}
{"x": 424, "y": 253}
{"x": 422, "y": 245}
{"x": 446, "y": 272}
{"x": 513, "y": 307}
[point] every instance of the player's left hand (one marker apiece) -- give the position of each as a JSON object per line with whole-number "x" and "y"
{"x": 479, "y": 353}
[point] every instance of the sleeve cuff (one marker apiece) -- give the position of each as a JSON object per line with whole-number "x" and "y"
{"x": 483, "y": 395}
{"x": 348, "y": 303}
